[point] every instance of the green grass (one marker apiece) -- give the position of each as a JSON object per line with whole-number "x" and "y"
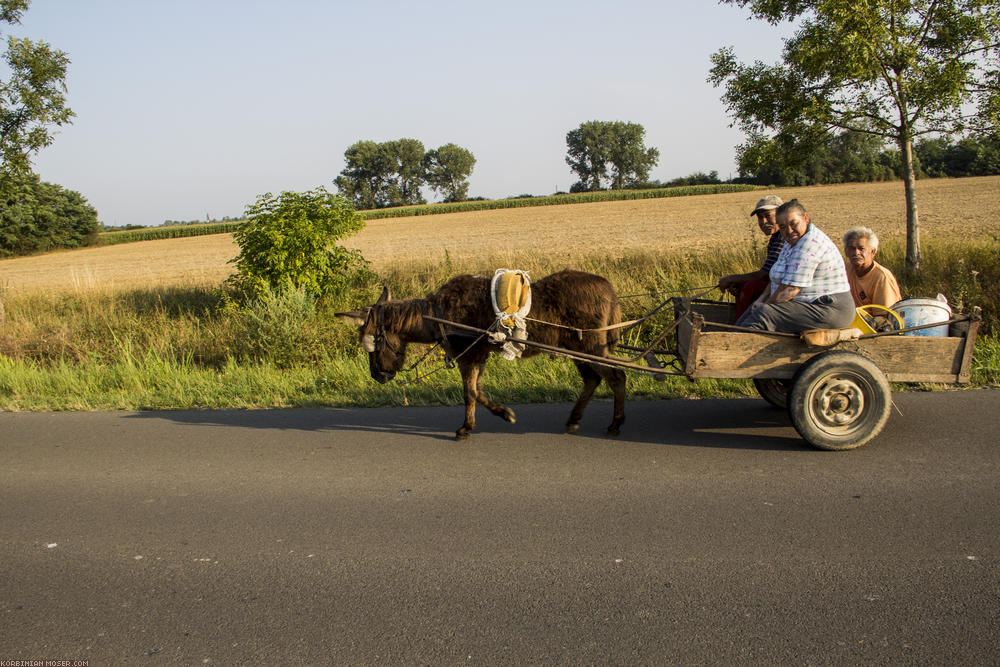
{"x": 192, "y": 348}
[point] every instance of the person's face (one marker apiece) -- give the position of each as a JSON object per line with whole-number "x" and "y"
{"x": 860, "y": 253}
{"x": 767, "y": 221}
{"x": 793, "y": 226}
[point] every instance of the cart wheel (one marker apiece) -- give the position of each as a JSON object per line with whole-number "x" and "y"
{"x": 774, "y": 391}
{"x": 839, "y": 400}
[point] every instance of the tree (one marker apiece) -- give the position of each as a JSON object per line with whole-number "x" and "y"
{"x": 847, "y": 157}
{"x": 970, "y": 156}
{"x": 895, "y": 69}
{"x": 37, "y": 216}
{"x": 366, "y": 178}
{"x": 597, "y": 146}
{"x": 32, "y": 98}
{"x": 378, "y": 175}
{"x": 408, "y": 159}
{"x": 586, "y": 154}
{"x": 447, "y": 170}
{"x": 289, "y": 241}
{"x": 630, "y": 159}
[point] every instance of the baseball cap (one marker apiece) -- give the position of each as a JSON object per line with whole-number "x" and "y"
{"x": 767, "y": 203}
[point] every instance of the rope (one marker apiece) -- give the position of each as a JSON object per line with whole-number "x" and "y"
{"x": 630, "y": 323}
{"x": 448, "y": 363}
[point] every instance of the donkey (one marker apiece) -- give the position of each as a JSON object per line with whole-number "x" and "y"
{"x": 570, "y": 309}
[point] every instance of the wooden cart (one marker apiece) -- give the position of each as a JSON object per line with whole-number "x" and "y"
{"x": 837, "y": 397}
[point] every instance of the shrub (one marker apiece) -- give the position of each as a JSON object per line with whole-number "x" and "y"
{"x": 279, "y": 327}
{"x": 290, "y": 241}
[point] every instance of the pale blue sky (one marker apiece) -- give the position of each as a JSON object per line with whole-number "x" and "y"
{"x": 193, "y": 108}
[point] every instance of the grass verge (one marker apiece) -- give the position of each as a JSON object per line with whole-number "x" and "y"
{"x": 195, "y": 347}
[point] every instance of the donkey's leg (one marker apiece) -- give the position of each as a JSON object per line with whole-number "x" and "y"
{"x": 615, "y": 377}
{"x": 470, "y": 386}
{"x": 590, "y": 381}
{"x": 500, "y": 411}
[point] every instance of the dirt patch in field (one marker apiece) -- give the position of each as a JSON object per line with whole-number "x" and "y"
{"x": 949, "y": 208}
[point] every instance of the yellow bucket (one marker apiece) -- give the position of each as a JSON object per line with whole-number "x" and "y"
{"x": 861, "y": 322}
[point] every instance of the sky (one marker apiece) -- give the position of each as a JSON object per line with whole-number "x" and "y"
{"x": 191, "y": 109}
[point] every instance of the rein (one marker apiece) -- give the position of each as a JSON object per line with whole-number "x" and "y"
{"x": 440, "y": 341}
{"x": 630, "y": 323}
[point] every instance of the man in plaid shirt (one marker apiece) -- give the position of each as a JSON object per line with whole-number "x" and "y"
{"x": 809, "y": 288}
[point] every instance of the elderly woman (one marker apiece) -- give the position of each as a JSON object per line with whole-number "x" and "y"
{"x": 809, "y": 288}
{"x": 871, "y": 283}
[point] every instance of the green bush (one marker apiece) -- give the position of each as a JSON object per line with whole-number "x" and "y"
{"x": 290, "y": 241}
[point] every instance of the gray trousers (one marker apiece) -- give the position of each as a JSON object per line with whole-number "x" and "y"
{"x": 830, "y": 311}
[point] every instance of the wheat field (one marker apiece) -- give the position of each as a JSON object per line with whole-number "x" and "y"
{"x": 948, "y": 208}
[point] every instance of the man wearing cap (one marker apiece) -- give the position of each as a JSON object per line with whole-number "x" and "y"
{"x": 809, "y": 288}
{"x": 746, "y": 287}
{"x": 871, "y": 283}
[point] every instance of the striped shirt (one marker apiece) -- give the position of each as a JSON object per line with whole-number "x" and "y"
{"x": 813, "y": 264}
{"x": 773, "y": 249}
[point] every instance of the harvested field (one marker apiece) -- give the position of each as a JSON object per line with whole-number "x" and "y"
{"x": 949, "y": 208}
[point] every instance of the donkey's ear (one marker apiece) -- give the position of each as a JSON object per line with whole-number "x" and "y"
{"x": 384, "y": 297}
{"x": 355, "y": 317}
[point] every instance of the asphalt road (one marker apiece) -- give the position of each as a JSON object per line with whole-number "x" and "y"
{"x": 708, "y": 533}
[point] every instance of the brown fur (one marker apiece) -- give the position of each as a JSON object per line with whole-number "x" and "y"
{"x": 569, "y": 298}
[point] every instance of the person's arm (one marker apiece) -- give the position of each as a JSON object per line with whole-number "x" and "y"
{"x": 761, "y": 300}
{"x": 737, "y": 279}
{"x": 784, "y": 293}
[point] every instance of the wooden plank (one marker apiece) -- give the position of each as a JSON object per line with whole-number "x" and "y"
{"x": 913, "y": 356}
{"x": 901, "y": 358}
{"x": 694, "y": 341}
{"x": 747, "y": 355}
{"x": 683, "y": 338}
{"x": 964, "y": 372}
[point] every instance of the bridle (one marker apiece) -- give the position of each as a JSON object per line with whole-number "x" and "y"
{"x": 374, "y": 342}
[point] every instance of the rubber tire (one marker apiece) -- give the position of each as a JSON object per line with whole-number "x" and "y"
{"x": 839, "y": 400}
{"x": 774, "y": 391}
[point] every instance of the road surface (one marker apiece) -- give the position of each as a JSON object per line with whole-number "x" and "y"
{"x": 707, "y": 533}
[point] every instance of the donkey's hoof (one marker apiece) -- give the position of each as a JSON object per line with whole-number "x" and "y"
{"x": 614, "y": 431}
{"x": 461, "y": 435}
{"x": 572, "y": 428}
{"x": 508, "y": 415}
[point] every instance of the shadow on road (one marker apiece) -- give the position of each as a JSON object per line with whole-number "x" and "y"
{"x": 729, "y": 423}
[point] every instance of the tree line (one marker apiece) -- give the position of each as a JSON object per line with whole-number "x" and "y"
{"x": 855, "y": 157}
{"x": 393, "y": 173}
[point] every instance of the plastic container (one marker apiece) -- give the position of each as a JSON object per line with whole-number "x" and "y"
{"x": 866, "y": 318}
{"x": 918, "y": 312}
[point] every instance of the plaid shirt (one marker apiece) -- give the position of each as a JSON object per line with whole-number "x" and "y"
{"x": 773, "y": 248}
{"x": 814, "y": 264}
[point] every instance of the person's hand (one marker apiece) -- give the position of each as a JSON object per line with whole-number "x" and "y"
{"x": 730, "y": 284}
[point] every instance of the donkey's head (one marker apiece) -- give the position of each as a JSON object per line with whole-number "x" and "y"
{"x": 380, "y": 338}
